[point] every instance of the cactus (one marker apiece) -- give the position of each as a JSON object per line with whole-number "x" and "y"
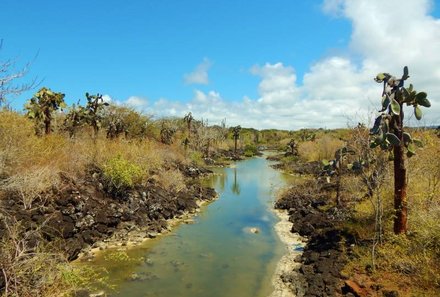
{"x": 95, "y": 103}
{"x": 42, "y": 105}
{"x": 293, "y": 147}
{"x": 75, "y": 118}
{"x": 236, "y": 135}
{"x": 307, "y": 135}
{"x": 166, "y": 134}
{"x": 188, "y": 118}
{"x": 116, "y": 127}
{"x": 335, "y": 168}
{"x": 388, "y": 134}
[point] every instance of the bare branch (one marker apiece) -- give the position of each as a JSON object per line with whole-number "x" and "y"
{"x": 9, "y": 76}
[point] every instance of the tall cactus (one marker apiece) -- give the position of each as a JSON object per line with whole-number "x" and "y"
{"x": 236, "y": 135}
{"x": 95, "y": 103}
{"x": 74, "y": 119}
{"x": 41, "y": 107}
{"x": 188, "y": 118}
{"x": 388, "y": 134}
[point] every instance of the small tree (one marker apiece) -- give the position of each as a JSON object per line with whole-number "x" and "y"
{"x": 9, "y": 77}
{"x": 236, "y": 135}
{"x": 188, "y": 120}
{"x": 390, "y": 135}
{"x": 95, "y": 103}
{"x": 166, "y": 134}
{"x": 293, "y": 147}
{"x": 74, "y": 119}
{"x": 42, "y": 105}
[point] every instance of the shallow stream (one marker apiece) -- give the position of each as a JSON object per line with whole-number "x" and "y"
{"x": 216, "y": 255}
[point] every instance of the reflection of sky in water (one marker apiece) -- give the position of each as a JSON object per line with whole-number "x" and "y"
{"x": 217, "y": 255}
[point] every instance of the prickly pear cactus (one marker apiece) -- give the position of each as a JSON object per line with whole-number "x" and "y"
{"x": 388, "y": 126}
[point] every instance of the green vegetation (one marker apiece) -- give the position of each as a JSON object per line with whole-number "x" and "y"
{"x": 41, "y": 107}
{"x": 390, "y": 135}
{"x": 45, "y": 149}
{"x": 236, "y": 135}
{"x": 250, "y": 150}
{"x": 121, "y": 174}
{"x": 359, "y": 183}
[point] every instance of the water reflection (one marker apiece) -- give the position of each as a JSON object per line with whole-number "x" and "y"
{"x": 215, "y": 256}
{"x": 235, "y": 185}
{"x": 217, "y": 180}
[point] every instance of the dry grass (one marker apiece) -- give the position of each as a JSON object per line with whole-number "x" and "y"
{"x": 31, "y": 268}
{"x": 30, "y": 164}
{"x": 322, "y": 148}
{"x": 171, "y": 179}
{"x": 409, "y": 264}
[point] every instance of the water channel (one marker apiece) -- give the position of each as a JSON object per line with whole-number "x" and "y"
{"x": 218, "y": 254}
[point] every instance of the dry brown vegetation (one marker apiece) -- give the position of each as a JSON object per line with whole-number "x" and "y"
{"x": 32, "y": 166}
{"x": 408, "y": 264}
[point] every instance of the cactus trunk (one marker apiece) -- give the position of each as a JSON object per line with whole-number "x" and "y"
{"x": 400, "y": 200}
{"x": 47, "y": 120}
{"x": 400, "y": 183}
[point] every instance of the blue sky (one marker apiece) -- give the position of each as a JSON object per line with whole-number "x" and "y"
{"x": 243, "y": 60}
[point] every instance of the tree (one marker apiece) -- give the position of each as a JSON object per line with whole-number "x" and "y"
{"x": 236, "y": 135}
{"x": 188, "y": 120}
{"x": 8, "y": 78}
{"x": 74, "y": 119}
{"x": 390, "y": 135}
{"x": 293, "y": 147}
{"x": 166, "y": 134}
{"x": 42, "y": 105}
{"x": 95, "y": 104}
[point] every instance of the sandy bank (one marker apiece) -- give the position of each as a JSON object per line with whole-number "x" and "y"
{"x": 287, "y": 266}
{"x": 126, "y": 240}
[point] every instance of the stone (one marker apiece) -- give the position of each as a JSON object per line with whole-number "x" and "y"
{"x": 254, "y": 230}
{"x": 354, "y": 288}
{"x": 391, "y": 293}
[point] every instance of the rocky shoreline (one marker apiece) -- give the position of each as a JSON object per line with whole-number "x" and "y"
{"x": 288, "y": 264}
{"x": 84, "y": 218}
{"x": 318, "y": 269}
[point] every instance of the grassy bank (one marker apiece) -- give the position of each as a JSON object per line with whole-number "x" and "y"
{"x": 378, "y": 262}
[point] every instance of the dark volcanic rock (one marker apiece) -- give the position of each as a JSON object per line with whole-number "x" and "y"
{"x": 82, "y": 214}
{"x": 322, "y": 259}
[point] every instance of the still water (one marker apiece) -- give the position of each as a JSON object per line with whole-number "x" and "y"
{"x": 217, "y": 255}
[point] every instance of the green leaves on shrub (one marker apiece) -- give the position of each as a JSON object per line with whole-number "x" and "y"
{"x": 121, "y": 174}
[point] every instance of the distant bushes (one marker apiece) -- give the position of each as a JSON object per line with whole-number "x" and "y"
{"x": 250, "y": 150}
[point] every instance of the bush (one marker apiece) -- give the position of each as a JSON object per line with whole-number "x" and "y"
{"x": 197, "y": 158}
{"x": 29, "y": 266}
{"x": 121, "y": 175}
{"x": 250, "y": 150}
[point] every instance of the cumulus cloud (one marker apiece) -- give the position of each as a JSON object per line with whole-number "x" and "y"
{"x": 107, "y": 98}
{"x": 277, "y": 86}
{"x": 200, "y": 74}
{"x": 386, "y": 36}
{"x": 136, "y": 102}
{"x": 336, "y": 89}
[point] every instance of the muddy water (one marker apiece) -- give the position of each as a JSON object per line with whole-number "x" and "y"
{"x": 216, "y": 255}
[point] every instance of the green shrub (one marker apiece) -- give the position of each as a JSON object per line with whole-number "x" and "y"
{"x": 121, "y": 174}
{"x": 197, "y": 158}
{"x": 250, "y": 150}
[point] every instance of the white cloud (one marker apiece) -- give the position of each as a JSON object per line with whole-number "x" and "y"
{"x": 136, "y": 102}
{"x": 200, "y": 74}
{"x": 277, "y": 86}
{"x": 385, "y": 37}
{"x": 107, "y": 98}
{"x": 333, "y": 7}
